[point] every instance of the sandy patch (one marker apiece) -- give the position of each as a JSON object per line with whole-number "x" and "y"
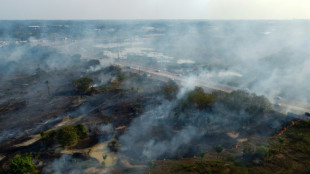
{"x": 232, "y": 134}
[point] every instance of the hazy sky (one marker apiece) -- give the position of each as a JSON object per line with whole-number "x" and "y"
{"x": 154, "y": 9}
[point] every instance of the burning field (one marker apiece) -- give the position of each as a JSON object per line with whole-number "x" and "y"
{"x": 110, "y": 121}
{"x": 127, "y": 113}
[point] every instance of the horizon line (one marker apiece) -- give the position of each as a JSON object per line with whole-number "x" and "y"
{"x": 119, "y": 19}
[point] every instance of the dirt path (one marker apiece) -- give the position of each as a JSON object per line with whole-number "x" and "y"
{"x": 99, "y": 151}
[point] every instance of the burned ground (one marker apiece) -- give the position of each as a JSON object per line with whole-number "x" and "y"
{"x": 137, "y": 121}
{"x": 41, "y": 106}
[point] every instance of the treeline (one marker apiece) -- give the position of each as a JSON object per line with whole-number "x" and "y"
{"x": 236, "y": 101}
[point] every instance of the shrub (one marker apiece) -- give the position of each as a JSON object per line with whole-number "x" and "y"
{"x": 22, "y": 164}
{"x": 67, "y": 136}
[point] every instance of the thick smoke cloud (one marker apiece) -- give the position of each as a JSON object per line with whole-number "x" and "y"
{"x": 157, "y": 143}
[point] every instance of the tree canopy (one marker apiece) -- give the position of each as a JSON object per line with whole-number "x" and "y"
{"x": 67, "y": 136}
{"x": 83, "y": 84}
{"x": 22, "y": 164}
{"x": 170, "y": 90}
{"x": 201, "y": 99}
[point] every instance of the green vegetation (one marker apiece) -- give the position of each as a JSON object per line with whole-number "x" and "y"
{"x": 113, "y": 69}
{"x": 22, "y": 164}
{"x": 93, "y": 62}
{"x": 48, "y": 137}
{"x": 121, "y": 77}
{"x": 288, "y": 153}
{"x": 219, "y": 149}
{"x": 81, "y": 131}
{"x": 241, "y": 100}
{"x": 170, "y": 90}
{"x": 201, "y": 99}
{"x": 104, "y": 157}
{"x": 110, "y": 87}
{"x": 83, "y": 84}
{"x": 291, "y": 151}
{"x": 196, "y": 166}
{"x": 114, "y": 145}
{"x": 48, "y": 87}
{"x": 262, "y": 152}
{"x": 103, "y": 164}
{"x": 66, "y": 136}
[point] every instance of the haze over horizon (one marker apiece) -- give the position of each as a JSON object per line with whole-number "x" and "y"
{"x": 154, "y": 9}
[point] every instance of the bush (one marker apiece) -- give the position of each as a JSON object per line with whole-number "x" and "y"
{"x": 83, "y": 84}
{"x": 67, "y": 136}
{"x": 22, "y": 164}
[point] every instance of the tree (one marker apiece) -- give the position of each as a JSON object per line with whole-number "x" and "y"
{"x": 248, "y": 151}
{"x": 113, "y": 145}
{"x": 121, "y": 77}
{"x": 201, "y": 99}
{"x": 262, "y": 152}
{"x": 22, "y": 164}
{"x": 113, "y": 69}
{"x": 218, "y": 150}
{"x": 67, "y": 136}
{"x": 170, "y": 90}
{"x": 48, "y": 87}
{"x": 243, "y": 101}
{"x": 83, "y": 84}
{"x": 48, "y": 137}
{"x": 81, "y": 131}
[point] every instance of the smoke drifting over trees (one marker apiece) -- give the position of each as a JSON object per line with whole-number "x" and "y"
{"x": 149, "y": 90}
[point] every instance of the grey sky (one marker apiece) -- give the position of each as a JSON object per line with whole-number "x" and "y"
{"x": 154, "y": 9}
